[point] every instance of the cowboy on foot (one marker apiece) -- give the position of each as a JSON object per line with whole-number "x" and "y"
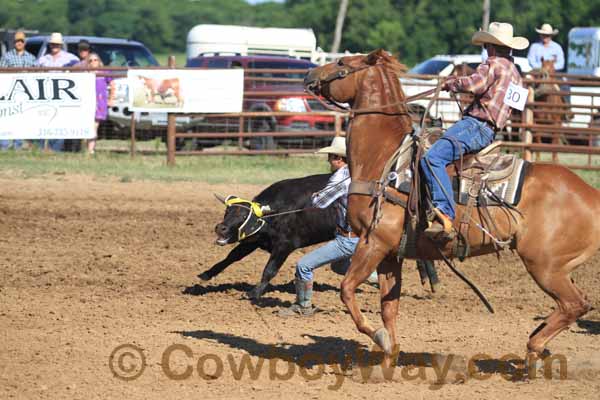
{"x": 339, "y": 250}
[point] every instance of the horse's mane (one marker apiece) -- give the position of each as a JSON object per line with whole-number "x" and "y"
{"x": 393, "y": 64}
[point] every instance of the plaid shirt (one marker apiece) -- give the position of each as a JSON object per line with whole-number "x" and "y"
{"x": 336, "y": 191}
{"x": 12, "y": 59}
{"x": 489, "y": 84}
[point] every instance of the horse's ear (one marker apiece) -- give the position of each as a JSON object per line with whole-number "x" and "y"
{"x": 375, "y": 55}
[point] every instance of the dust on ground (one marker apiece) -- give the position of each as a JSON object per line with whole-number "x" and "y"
{"x": 91, "y": 264}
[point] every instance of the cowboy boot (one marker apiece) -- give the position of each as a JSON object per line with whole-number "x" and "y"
{"x": 303, "y": 304}
{"x": 441, "y": 229}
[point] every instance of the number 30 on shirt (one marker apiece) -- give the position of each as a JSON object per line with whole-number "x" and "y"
{"x": 516, "y": 96}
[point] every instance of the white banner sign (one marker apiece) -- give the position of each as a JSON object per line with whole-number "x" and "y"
{"x": 203, "y": 91}
{"x": 47, "y": 105}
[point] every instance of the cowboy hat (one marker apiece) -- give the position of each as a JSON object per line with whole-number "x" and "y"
{"x": 56, "y": 38}
{"x": 20, "y": 35}
{"x": 501, "y": 34}
{"x": 546, "y": 29}
{"x": 337, "y": 147}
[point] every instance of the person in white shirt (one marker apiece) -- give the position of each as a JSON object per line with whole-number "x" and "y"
{"x": 546, "y": 49}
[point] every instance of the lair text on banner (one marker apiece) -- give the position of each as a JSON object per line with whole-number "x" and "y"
{"x": 186, "y": 91}
{"x": 47, "y": 105}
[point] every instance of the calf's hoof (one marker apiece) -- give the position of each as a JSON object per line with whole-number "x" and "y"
{"x": 205, "y": 276}
{"x": 254, "y": 294}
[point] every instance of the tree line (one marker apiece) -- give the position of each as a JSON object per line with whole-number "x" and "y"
{"x": 411, "y": 29}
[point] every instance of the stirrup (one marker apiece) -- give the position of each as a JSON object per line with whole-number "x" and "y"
{"x": 441, "y": 229}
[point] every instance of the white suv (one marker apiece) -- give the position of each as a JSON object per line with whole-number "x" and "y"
{"x": 443, "y": 65}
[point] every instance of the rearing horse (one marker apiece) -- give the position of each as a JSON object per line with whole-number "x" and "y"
{"x": 558, "y": 228}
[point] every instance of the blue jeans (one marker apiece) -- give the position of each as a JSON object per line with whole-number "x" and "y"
{"x": 468, "y": 135}
{"x": 5, "y": 144}
{"x": 56, "y": 145}
{"x": 338, "y": 249}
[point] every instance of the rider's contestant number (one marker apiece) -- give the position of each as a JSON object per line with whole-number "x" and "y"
{"x": 516, "y": 97}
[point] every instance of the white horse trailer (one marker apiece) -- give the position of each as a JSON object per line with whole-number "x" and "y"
{"x": 209, "y": 39}
{"x": 584, "y": 59}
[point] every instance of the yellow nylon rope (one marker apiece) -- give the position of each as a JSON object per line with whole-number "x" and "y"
{"x": 256, "y": 207}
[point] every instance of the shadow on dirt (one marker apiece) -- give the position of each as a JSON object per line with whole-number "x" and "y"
{"x": 328, "y": 350}
{"x": 201, "y": 290}
{"x": 588, "y": 327}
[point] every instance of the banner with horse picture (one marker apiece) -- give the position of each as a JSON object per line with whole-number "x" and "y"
{"x": 202, "y": 91}
{"x": 47, "y": 105}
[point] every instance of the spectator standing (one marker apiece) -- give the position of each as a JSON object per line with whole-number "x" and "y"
{"x": 16, "y": 58}
{"x": 102, "y": 102}
{"x": 57, "y": 57}
{"x": 546, "y": 49}
{"x": 83, "y": 49}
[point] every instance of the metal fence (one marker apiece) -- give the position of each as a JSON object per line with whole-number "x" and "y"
{"x": 279, "y": 118}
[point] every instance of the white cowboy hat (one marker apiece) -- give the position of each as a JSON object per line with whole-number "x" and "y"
{"x": 546, "y": 29}
{"x": 56, "y": 38}
{"x": 338, "y": 147}
{"x": 500, "y": 33}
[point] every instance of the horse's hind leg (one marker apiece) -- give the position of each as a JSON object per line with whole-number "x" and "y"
{"x": 364, "y": 261}
{"x": 390, "y": 285}
{"x": 571, "y": 302}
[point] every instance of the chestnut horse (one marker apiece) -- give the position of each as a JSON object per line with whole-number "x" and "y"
{"x": 549, "y": 93}
{"x": 558, "y": 228}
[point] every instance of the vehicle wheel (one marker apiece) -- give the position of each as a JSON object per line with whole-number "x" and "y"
{"x": 263, "y": 142}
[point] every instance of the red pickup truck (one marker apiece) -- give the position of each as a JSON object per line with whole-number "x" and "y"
{"x": 291, "y": 98}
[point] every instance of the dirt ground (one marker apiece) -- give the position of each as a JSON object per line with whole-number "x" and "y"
{"x": 92, "y": 264}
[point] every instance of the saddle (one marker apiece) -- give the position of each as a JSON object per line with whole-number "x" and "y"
{"x": 500, "y": 173}
{"x": 486, "y": 178}
{"x": 497, "y": 166}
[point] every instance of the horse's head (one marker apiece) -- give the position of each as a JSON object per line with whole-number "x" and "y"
{"x": 547, "y": 67}
{"x": 462, "y": 70}
{"x": 341, "y": 80}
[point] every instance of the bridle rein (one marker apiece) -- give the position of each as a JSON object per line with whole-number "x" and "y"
{"x": 337, "y": 107}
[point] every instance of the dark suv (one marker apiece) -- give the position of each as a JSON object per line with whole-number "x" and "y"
{"x": 292, "y": 98}
{"x": 116, "y": 53}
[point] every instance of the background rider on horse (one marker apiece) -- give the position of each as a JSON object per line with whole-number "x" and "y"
{"x": 486, "y": 115}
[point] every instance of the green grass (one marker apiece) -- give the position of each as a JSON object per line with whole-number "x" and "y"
{"x": 210, "y": 169}
{"x": 162, "y": 58}
{"x": 259, "y": 170}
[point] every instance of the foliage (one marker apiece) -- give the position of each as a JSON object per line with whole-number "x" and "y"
{"x": 412, "y": 29}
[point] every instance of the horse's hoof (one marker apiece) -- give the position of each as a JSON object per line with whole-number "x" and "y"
{"x": 383, "y": 340}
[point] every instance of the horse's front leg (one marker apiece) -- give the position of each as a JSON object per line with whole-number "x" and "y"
{"x": 365, "y": 260}
{"x": 390, "y": 285}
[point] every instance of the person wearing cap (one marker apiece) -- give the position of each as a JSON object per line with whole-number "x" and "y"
{"x": 342, "y": 247}
{"x": 16, "y": 58}
{"x": 83, "y": 50}
{"x": 487, "y": 114}
{"x": 56, "y": 56}
{"x": 546, "y": 49}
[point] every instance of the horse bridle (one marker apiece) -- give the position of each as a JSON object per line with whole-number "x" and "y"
{"x": 343, "y": 73}
{"x": 339, "y": 74}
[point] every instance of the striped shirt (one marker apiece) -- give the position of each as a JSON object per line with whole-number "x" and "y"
{"x": 14, "y": 59}
{"x": 489, "y": 84}
{"x": 336, "y": 191}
